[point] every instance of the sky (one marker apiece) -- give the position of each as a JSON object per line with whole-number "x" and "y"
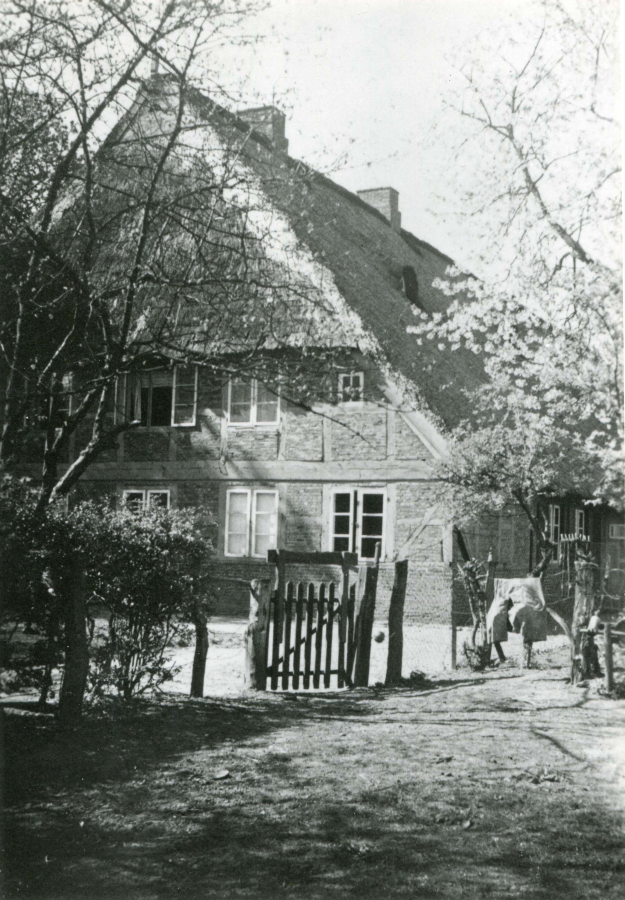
{"x": 361, "y": 83}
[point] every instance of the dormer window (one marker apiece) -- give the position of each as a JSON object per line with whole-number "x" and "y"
{"x": 351, "y": 386}
{"x": 252, "y": 403}
{"x": 410, "y": 286}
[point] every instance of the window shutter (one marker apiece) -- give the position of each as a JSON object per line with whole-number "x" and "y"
{"x": 184, "y": 407}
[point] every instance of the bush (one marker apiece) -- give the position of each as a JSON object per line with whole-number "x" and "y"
{"x": 148, "y": 569}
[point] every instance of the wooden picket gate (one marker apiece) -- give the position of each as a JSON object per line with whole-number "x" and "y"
{"x": 304, "y": 632}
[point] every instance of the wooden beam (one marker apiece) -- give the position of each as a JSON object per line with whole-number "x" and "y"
{"x": 296, "y": 557}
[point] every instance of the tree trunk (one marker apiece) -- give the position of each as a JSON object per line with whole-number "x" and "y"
{"x": 583, "y": 643}
{"x": 256, "y": 635}
{"x": 198, "y": 673}
{"x": 396, "y": 624}
{"x": 71, "y": 592}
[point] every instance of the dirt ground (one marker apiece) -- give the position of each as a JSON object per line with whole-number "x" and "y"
{"x": 507, "y": 784}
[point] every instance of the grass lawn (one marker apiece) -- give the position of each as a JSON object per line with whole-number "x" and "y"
{"x": 502, "y": 785}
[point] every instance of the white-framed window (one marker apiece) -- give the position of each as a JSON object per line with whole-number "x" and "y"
{"x": 358, "y": 521}
{"x": 159, "y": 397}
{"x": 616, "y": 532}
{"x": 138, "y": 499}
{"x": 251, "y": 522}
{"x": 554, "y": 521}
{"x": 252, "y": 403}
{"x": 351, "y": 386}
{"x": 580, "y": 522}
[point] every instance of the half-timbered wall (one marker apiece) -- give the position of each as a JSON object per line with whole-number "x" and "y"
{"x": 306, "y": 457}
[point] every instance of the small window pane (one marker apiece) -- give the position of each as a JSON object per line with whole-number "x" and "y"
{"x": 341, "y": 524}
{"x": 266, "y": 405}
{"x": 373, "y": 503}
{"x": 158, "y": 498}
{"x": 372, "y": 525}
{"x": 265, "y": 503}
{"x": 367, "y": 547}
{"x": 237, "y": 544}
{"x": 238, "y": 522}
{"x": 240, "y": 401}
{"x": 341, "y": 544}
{"x": 342, "y": 503}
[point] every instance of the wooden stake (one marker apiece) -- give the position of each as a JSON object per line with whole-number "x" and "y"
{"x": 256, "y": 634}
{"x": 608, "y": 661}
{"x": 396, "y": 624}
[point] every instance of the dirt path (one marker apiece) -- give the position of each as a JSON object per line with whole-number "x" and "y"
{"x": 510, "y": 785}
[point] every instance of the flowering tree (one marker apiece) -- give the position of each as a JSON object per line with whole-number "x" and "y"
{"x": 537, "y": 175}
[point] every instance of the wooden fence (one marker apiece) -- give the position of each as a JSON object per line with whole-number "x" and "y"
{"x": 305, "y": 632}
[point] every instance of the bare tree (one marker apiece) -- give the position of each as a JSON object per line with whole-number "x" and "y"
{"x": 137, "y": 234}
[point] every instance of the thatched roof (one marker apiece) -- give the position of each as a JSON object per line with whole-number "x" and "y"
{"x": 366, "y": 257}
{"x": 347, "y": 249}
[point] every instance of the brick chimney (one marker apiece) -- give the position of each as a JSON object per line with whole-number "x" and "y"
{"x": 386, "y": 201}
{"x": 269, "y": 121}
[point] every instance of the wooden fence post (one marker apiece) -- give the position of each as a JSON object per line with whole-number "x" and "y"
{"x": 607, "y": 658}
{"x": 396, "y": 623}
{"x": 72, "y": 585}
{"x": 256, "y": 635}
{"x": 365, "y": 629}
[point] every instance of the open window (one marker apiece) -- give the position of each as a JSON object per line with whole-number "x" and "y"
{"x": 138, "y": 499}
{"x": 252, "y": 403}
{"x": 358, "y": 521}
{"x": 159, "y": 397}
{"x": 351, "y": 387}
{"x": 251, "y": 522}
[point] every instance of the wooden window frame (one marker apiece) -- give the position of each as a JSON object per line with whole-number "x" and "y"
{"x": 581, "y": 523}
{"x": 252, "y": 493}
{"x": 356, "y": 514}
{"x": 146, "y": 494}
{"x": 350, "y": 375}
{"x": 122, "y": 398}
{"x": 253, "y": 423}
